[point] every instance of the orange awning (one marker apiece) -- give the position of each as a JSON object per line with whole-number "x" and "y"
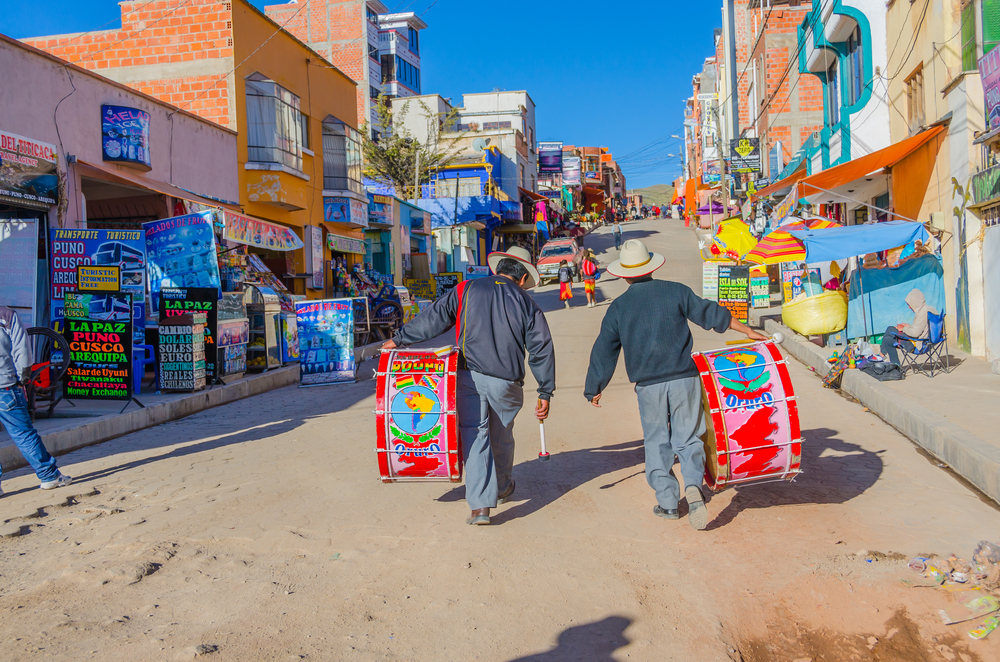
{"x": 787, "y": 182}
{"x": 591, "y": 190}
{"x": 87, "y": 169}
{"x": 690, "y": 197}
{"x": 531, "y": 195}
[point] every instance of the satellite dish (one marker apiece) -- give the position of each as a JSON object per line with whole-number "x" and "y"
{"x": 479, "y": 144}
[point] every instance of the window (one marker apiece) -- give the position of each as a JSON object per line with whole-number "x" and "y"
{"x": 969, "y": 52}
{"x": 275, "y": 132}
{"x": 388, "y": 68}
{"x": 991, "y": 25}
{"x": 915, "y": 100}
{"x": 341, "y": 157}
{"x": 414, "y": 36}
{"x": 531, "y": 139}
{"x": 833, "y": 94}
{"x": 401, "y": 71}
{"x": 373, "y": 52}
{"x": 373, "y": 92}
{"x": 372, "y": 16}
{"x": 854, "y": 84}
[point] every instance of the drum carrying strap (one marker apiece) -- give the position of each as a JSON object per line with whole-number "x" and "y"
{"x": 459, "y": 321}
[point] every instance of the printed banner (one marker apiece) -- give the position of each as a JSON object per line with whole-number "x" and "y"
{"x": 421, "y": 288}
{"x": 989, "y": 72}
{"x": 98, "y": 328}
{"x": 791, "y": 282}
{"x": 550, "y": 157}
{"x": 125, "y": 135}
{"x": 28, "y": 176}
{"x": 734, "y": 291}
{"x": 255, "y": 232}
{"x": 744, "y": 155}
{"x": 181, "y": 352}
{"x": 760, "y": 295}
{"x": 571, "y": 170}
{"x": 181, "y": 253}
{"x": 326, "y": 341}
{"x": 342, "y": 244}
{"x": 177, "y": 301}
{"x": 473, "y": 272}
{"x": 380, "y": 209}
{"x": 345, "y": 210}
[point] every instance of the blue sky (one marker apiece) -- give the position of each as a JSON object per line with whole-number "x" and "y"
{"x": 598, "y": 75}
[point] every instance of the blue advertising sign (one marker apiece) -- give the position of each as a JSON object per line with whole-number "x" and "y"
{"x": 326, "y": 341}
{"x": 181, "y": 253}
{"x": 125, "y": 135}
{"x": 125, "y": 249}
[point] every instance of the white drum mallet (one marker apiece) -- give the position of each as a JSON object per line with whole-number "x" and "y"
{"x": 544, "y": 455}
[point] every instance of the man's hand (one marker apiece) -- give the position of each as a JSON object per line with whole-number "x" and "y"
{"x": 596, "y": 401}
{"x": 900, "y": 327}
{"x": 542, "y": 409}
{"x": 753, "y": 335}
{"x": 739, "y": 326}
{"x": 389, "y": 344}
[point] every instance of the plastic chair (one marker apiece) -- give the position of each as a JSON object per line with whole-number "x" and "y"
{"x": 930, "y": 355}
{"x": 142, "y": 355}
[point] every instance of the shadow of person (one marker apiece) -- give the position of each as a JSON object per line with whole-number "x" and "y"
{"x": 833, "y": 471}
{"x": 594, "y": 642}
{"x": 542, "y": 483}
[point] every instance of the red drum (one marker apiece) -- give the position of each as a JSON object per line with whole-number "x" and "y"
{"x": 417, "y": 437}
{"x": 753, "y": 420}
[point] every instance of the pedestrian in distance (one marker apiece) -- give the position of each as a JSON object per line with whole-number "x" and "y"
{"x": 15, "y": 370}
{"x": 649, "y": 322}
{"x": 616, "y": 230}
{"x": 565, "y": 282}
{"x": 588, "y": 268}
{"x": 495, "y": 323}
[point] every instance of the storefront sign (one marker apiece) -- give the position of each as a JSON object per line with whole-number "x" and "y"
{"x": 342, "y": 244}
{"x": 28, "y": 175}
{"x": 255, "y": 232}
{"x": 473, "y": 272}
{"x": 125, "y": 135}
{"x": 593, "y": 174}
{"x": 122, "y": 249}
{"x": 421, "y": 288}
{"x": 744, "y": 155}
{"x": 986, "y": 184}
{"x": 98, "y": 279}
{"x": 181, "y": 352}
{"x": 760, "y": 295}
{"x": 989, "y": 72}
{"x": 326, "y": 341}
{"x": 710, "y": 279}
{"x": 177, "y": 301}
{"x": 550, "y": 157}
{"x": 345, "y": 210}
{"x": 181, "y": 253}
{"x": 734, "y": 291}
{"x": 571, "y": 170}
{"x": 98, "y": 328}
{"x": 380, "y": 209}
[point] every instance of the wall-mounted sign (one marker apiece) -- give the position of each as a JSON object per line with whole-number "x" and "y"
{"x": 255, "y": 232}
{"x": 345, "y": 210}
{"x": 98, "y": 279}
{"x": 550, "y": 157}
{"x": 28, "y": 172}
{"x": 342, "y": 244}
{"x": 744, "y": 155}
{"x": 125, "y": 136}
{"x": 380, "y": 209}
{"x": 571, "y": 170}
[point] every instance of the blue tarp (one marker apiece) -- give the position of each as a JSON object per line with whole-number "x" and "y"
{"x": 877, "y": 298}
{"x": 840, "y": 243}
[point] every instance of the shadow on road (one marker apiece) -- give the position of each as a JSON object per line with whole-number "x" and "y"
{"x": 542, "y": 483}
{"x": 595, "y": 642}
{"x": 833, "y": 471}
{"x": 605, "y": 241}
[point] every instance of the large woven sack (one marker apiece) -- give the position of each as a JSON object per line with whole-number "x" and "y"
{"x": 816, "y": 315}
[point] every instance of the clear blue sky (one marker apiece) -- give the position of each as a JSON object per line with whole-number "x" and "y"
{"x": 601, "y": 73}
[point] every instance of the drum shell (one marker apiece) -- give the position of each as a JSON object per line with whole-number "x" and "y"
{"x": 432, "y": 378}
{"x": 753, "y": 433}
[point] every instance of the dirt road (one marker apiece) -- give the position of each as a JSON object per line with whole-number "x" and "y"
{"x": 259, "y": 531}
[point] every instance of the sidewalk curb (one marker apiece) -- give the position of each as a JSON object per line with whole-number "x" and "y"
{"x": 98, "y": 430}
{"x": 972, "y": 458}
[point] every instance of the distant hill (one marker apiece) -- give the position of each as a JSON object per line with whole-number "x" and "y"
{"x": 658, "y": 194}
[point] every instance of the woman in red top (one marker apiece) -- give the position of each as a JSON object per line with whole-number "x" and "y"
{"x": 588, "y": 267}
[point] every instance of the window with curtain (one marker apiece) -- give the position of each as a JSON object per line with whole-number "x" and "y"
{"x": 833, "y": 94}
{"x": 276, "y": 127}
{"x": 915, "y": 100}
{"x": 341, "y": 157}
{"x": 969, "y": 52}
{"x": 855, "y": 83}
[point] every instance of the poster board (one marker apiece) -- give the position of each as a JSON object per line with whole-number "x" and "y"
{"x": 734, "y": 291}
{"x": 447, "y": 281}
{"x": 791, "y": 280}
{"x": 181, "y": 253}
{"x": 98, "y": 328}
{"x": 91, "y": 278}
{"x": 473, "y": 272}
{"x": 179, "y": 300}
{"x": 326, "y": 341}
{"x": 182, "y": 352}
{"x": 760, "y": 293}
{"x": 710, "y": 279}
{"x": 421, "y": 288}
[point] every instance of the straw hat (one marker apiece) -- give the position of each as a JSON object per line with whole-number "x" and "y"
{"x": 635, "y": 260}
{"x": 520, "y": 255}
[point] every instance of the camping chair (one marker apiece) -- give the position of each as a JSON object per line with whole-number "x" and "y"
{"x": 931, "y": 353}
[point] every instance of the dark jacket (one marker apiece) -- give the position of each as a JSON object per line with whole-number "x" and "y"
{"x": 565, "y": 275}
{"x": 650, "y": 322}
{"x": 499, "y": 322}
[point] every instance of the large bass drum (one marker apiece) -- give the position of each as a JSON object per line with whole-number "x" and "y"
{"x": 417, "y": 423}
{"x": 752, "y": 417}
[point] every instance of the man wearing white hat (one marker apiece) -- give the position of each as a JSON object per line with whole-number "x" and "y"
{"x": 650, "y": 323}
{"x": 495, "y": 323}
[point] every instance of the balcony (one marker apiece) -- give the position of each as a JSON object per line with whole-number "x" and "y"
{"x": 277, "y": 185}
{"x": 480, "y": 201}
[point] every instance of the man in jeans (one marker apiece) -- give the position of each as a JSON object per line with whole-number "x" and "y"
{"x": 15, "y": 367}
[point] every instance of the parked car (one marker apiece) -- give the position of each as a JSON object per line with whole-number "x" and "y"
{"x": 554, "y": 252}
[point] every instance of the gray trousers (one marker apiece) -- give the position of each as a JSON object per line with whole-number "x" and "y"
{"x": 486, "y": 410}
{"x": 672, "y": 423}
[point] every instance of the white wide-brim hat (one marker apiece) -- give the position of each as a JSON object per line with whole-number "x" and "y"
{"x": 519, "y": 254}
{"x": 635, "y": 260}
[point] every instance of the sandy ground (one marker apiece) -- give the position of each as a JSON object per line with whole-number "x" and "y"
{"x": 260, "y": 531}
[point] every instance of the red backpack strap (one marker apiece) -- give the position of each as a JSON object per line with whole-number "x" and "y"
{"x": 458, "y": 312}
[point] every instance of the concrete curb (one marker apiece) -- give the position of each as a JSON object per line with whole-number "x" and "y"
{"x": 95, "y": 431}
{"x": 971, "y": 457}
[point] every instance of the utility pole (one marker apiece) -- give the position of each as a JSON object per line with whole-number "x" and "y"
{"x": 416, "y": 178}
{"x": 721, "y": 145}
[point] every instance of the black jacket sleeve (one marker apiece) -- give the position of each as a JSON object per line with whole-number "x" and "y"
{"x": 541, "y": 352}
{"x": 432, "y": 322}
{"x": 706, "y": 314}
{"x": 603, "y": 357}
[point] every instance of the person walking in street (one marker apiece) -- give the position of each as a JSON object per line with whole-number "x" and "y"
{"x": 565, "y": 282}
{"x": 495, "y": 322}
{"x": 15, "y": 369}
{"x": 616, "y": 230}
{"x": 649, "y": 322}
{"x": 588, "y": 268}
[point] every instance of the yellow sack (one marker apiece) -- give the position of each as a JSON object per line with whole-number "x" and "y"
{"x": 816, "y": 315}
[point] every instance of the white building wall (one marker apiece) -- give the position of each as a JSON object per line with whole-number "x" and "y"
{"x": 870, "y": 126}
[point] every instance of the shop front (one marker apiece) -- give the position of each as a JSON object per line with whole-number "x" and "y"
{"x": 378, "y": 238}
{"x": 346, "y": 255}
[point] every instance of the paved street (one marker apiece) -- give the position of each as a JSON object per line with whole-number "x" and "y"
{"x": 261, "y": 528}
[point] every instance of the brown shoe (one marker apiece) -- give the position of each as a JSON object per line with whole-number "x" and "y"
{"x": 505, "y": 497}
{"x": 479, "y": 517}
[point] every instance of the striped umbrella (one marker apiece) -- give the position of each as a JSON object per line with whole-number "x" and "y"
{"x": 780, "y": 246}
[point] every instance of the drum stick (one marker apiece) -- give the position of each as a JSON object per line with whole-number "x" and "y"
{"x": 544, "y": 455}
{"x": 745, "y": 341}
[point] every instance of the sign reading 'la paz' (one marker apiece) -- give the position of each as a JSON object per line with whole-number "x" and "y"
{"x": 744, "y": 155}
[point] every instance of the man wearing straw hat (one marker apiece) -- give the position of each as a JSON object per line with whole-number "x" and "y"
{"x": 650, "y": 323}
{"x": 495, "y": 323}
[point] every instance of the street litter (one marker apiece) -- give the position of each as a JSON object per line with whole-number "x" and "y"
{"x": 988, "y": 626}
{"x": 971, "y": 610}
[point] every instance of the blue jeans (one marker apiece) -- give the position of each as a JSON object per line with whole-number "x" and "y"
{"x": 15, "y": 419}
{"x": 889, "y": 341}
{"x": 618, "y": 241}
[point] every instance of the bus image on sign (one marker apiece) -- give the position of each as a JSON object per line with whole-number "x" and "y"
{"x": 113, "y": 253}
